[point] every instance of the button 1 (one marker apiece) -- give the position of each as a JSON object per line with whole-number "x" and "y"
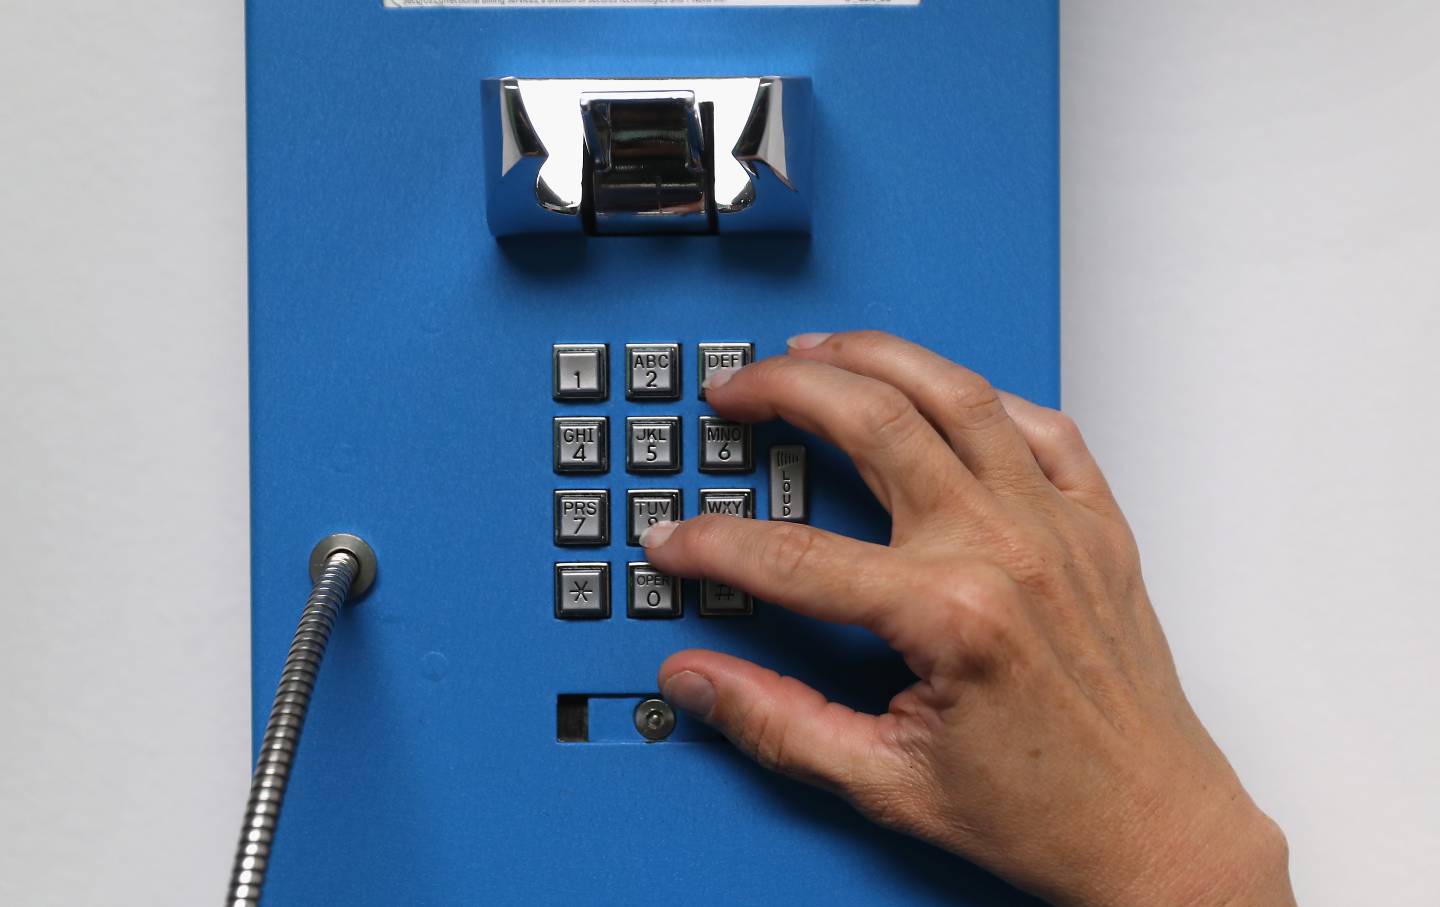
{"x": 652, "y": 443}
{"x": 652, "y": 371}
{"x": 789, "y": 495}
{"x": 582, "y": 591}
{"x": 722, "y": 600}
{"x": 580, "y": 371}
{"x": 732, "y": 501}
{"x": 652, "y": 593}
{"x": 582, "y": 444}
{"x": 647, "y": 507}
{"x": 724, "y": 445}
{"x": 715, "y": 356}
{"x": 582, "y": 517}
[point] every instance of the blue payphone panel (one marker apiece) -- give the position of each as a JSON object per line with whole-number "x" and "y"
{"x": 469, "y": 743}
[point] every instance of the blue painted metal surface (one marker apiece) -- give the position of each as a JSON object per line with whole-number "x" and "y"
{"x": 400, "y": 389}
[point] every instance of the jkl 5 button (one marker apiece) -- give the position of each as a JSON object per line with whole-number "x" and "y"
{"x": 652, "y": 444}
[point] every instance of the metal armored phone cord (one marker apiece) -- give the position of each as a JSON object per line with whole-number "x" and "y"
{"x": 341, "y": 566}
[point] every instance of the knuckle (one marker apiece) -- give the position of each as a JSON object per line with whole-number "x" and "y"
{"x": 976, "y": 401}
{"x": 982, "y": 612}
{"x": 1061, "y": 428}
{"x": 788, "y": 551}
{"x": 886, "y": 415}
{"x": 766, "y": 738}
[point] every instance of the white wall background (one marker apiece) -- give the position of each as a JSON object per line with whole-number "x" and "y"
{"x": 1252, "y": 332}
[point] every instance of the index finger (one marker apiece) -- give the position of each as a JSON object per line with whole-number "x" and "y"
{"x": 898, "y": 453}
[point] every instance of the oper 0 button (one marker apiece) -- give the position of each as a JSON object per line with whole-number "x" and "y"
{"x": 719, "y": 599}
{"x": 582, "y": 517}
{"x": 652, "y": 443}
{"x": 582, "y": 444}
{"x": 715, "y": 356}
{"x": 580, "y": 371}
{"x": 652, "y": 371}
{"x": 648, "y": 507}
{"x": 582, "y": 591}
{"x": 732, "y": 501}
{"x": 724, "y": 445}
{"x": 652, "y": 593}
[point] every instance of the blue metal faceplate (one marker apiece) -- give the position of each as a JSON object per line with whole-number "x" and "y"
{"x": 400, "y": 389}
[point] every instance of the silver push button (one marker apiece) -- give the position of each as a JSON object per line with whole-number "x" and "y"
{"x": 724, "y": 446}
{"x": 652, "y": 371}
{"x": 652, "y": 593}
{"x": 719, "y": 599}
{"x": 582, "y": 444}
{"x": 715, "y": 356}
{"x": 789, "y": 495}
{"x": 580, "y": 371}
{"x": 582, "y": 517}
{"x": 652, "y": 443}
{"x": 648, "y": 507}
{"x": 732, "y": 501}
{"x": 582, "y": 591}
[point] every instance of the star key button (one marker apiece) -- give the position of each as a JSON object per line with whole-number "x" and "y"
{"x": 582, "y": 591}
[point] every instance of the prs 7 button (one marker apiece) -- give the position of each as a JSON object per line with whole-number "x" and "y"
{"x": 581, "y": 371}
{"x": 582, "y": 591}
{"x": 582, "y": 517}
{"x": 582, "y": 444}
{"x": 648, "y": 507}
{"x": 652, "y": 371}
{"x": 652, "y": 444}
{"x": 724, "y": 446}
{"x": 652, "y": 593}
{"x": 732, "y": 501}
{"x": 715, "y": 356}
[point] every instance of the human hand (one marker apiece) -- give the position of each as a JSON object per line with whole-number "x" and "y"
{"x": 1047, "y": 737}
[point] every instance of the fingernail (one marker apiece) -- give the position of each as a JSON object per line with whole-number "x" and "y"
{"x": 807, "y": 341}
{"x": 719, "y": 378}
{"x": 690, "y": 692}
{"x": 656, "y": 534}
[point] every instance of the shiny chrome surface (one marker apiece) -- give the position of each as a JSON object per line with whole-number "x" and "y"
{"x": 691, "y": 155}
{"x": 346, "y": 566}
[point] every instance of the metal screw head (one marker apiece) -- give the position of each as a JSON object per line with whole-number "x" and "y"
{"x": 654, "y": 719}
{"x": 353, "y": 545}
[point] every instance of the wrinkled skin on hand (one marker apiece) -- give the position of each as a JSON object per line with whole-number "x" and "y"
{"x": 1047, "y": 737}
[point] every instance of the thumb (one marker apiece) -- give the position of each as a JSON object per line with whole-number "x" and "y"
{"x": 780, "y": 722}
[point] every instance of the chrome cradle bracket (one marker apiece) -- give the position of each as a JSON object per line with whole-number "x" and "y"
{"x": 625, "y": 156}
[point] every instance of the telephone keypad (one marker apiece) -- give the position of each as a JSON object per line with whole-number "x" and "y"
{"x": 652, "y": 371}
{"x": 652, "y": 444}
{"x": 725, "y": 446}
{"x": 582, "y": 591}
{"x": 582, "y": 444}
{"x": 582, "y": 517}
